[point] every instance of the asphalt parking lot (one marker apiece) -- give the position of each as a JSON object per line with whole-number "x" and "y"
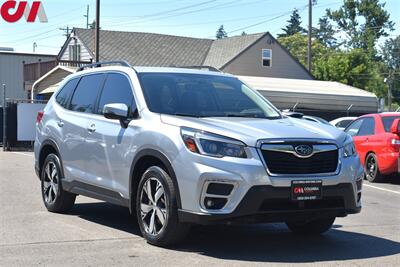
{"x": 99, "y": 234}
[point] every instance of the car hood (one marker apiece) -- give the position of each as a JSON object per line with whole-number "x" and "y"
{"x": 250, "y": 130}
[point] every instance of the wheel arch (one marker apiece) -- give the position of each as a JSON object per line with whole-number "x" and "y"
{"x": 144, "y": 159}
{"x": 48, "y": 146}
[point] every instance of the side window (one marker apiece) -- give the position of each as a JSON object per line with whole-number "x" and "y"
{"x": 367, "y": 127}
{"x": 84, "y": 98}
{"x": 65, "y": 93}
{"x": 354, "y": 127}
{"x": 267, "y": 57}
{"x": 117, "y": 89}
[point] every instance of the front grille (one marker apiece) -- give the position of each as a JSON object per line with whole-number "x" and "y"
{"x": 288, "y": 163}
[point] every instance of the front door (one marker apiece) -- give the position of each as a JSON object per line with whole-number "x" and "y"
{"x": 112, "y": 145}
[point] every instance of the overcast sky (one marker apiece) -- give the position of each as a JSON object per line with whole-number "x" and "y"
{"x": 195, "y": 18}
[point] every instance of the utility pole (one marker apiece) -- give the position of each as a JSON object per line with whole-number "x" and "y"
{"x": 67, "y": 31}
{"x": 97, "y": 31}
{"x": 310, "y": 2}
{"x": 4, "y": 118}
{"x": 389, "y": 81}
{"x": 87, "y": 17}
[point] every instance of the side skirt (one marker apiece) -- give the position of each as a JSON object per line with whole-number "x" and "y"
{"x": 96, "y": 192}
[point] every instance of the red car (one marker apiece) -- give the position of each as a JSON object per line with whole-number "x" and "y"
{"x": 377, "y": 141}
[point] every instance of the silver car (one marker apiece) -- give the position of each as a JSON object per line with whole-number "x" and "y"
{"x": 181, "y": 146}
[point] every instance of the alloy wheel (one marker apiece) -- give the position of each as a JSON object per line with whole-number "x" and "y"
{"x": 153, "y": 206}
{"x": 371, "y": 167}
{"x": 50, "y": 183}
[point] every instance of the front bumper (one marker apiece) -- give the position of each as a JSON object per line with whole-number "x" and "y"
{"x": 265, "y": 203}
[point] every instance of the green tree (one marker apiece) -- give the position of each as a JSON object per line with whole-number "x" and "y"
{"x": 325, "y": 32}
{"x": 364, "y": 22}
{"x": 390, "y": 53}
{"x": 221, "y": 33}
{"x": 296, "y": 44}
{"x": 353, "y": 67}
{"x": 293, "y": 26}
{"x": 244, "y": 33}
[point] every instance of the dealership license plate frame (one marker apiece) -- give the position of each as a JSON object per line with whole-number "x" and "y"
{"x": 306, "y": 195}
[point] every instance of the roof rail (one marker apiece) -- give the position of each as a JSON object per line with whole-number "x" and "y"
{"x": 101, "y": 63}
{"x": 200, "y": 67}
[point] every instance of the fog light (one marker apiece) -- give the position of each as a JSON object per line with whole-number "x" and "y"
{"x": 213, "y": 203}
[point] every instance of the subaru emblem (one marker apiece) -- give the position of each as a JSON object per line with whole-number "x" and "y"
{"x": 304, "y": 150}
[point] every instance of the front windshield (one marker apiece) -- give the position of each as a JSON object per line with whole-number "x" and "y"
{"x": 200, "y": 95}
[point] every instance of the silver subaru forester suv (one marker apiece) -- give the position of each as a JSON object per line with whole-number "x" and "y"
{"x": 183, "y": 146}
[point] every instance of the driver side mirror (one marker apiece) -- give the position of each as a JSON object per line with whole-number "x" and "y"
{"x": 395, "y": 127}
{"x": 116, "y": 111}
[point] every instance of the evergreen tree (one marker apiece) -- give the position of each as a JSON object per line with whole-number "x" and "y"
{"x": 244, "y": 33}
{"x": 293, "y": 26}
{"x": 221, "y": 33}
{"x": 325, "y": 32}
{"x": 364, "y": 21}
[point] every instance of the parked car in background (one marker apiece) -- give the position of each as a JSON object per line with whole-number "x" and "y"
{"x": 376, "y": 137}
{"x": 342, "y": 122}
{"x": 316, "y": 119}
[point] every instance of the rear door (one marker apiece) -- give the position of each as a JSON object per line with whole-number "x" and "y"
{"x": 75, "y": 149}
{"x": 111, "y": 144}
{"x": 64, "y": 137}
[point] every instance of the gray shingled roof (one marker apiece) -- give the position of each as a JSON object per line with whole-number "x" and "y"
{"x": 224, "y": 50}
{"x": 149, "y": 49}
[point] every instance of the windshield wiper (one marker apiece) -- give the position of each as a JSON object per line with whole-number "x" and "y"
{"x": 187, "y": 115}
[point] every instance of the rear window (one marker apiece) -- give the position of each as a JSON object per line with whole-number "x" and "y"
{"x": 388, "y": 121}
{"x": 84, "y": 98}
{"x": 65, "y": 93}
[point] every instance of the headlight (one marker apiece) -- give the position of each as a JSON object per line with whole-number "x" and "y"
{"x": 349, "y": 149}
{"x": 212, "y": 145}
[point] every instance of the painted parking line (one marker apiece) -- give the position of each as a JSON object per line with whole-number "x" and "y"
{"x": 380, "y": 188}
{"x": 22, "y": 153}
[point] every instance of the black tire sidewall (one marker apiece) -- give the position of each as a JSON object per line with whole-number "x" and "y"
{"x": 377, "y": 173}
{"x": 52, "y": 158}
{"x": 169, "y": 192}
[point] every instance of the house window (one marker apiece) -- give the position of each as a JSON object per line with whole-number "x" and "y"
{"x": 267, "y": 57}
{"x": 75, "y": 52}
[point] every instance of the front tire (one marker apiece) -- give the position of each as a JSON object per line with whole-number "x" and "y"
{"x": 54, "y": 197}
{"x": 372, "y": 172}
{"x": 157, "y": 210}
{"x": 313, "y": 227}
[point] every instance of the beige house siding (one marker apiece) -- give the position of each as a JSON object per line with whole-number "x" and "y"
{"x": 85, "y": 54}
{"x": 249, "y": 62}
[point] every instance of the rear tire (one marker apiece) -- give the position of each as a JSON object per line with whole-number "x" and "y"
{"x": 372, "y": 173}
{"x": 54, "y": 197}
{"x": 157, "y": 209}
{"x": 313, "y": 227}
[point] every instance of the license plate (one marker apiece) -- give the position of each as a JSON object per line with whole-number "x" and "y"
{"x": 306, "y": 190}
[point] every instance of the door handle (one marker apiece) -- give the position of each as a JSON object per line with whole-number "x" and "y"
{"x": 92, "y": 128}
{"x": 60, "y": 123}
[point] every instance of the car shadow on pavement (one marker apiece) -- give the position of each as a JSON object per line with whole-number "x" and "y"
{"x": 108, "y": 215}
{"x": 264, "y": 243}
{"x": 274, "y": 243}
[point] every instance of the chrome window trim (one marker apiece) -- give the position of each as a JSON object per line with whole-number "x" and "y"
{"x": 315, "y": 142}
